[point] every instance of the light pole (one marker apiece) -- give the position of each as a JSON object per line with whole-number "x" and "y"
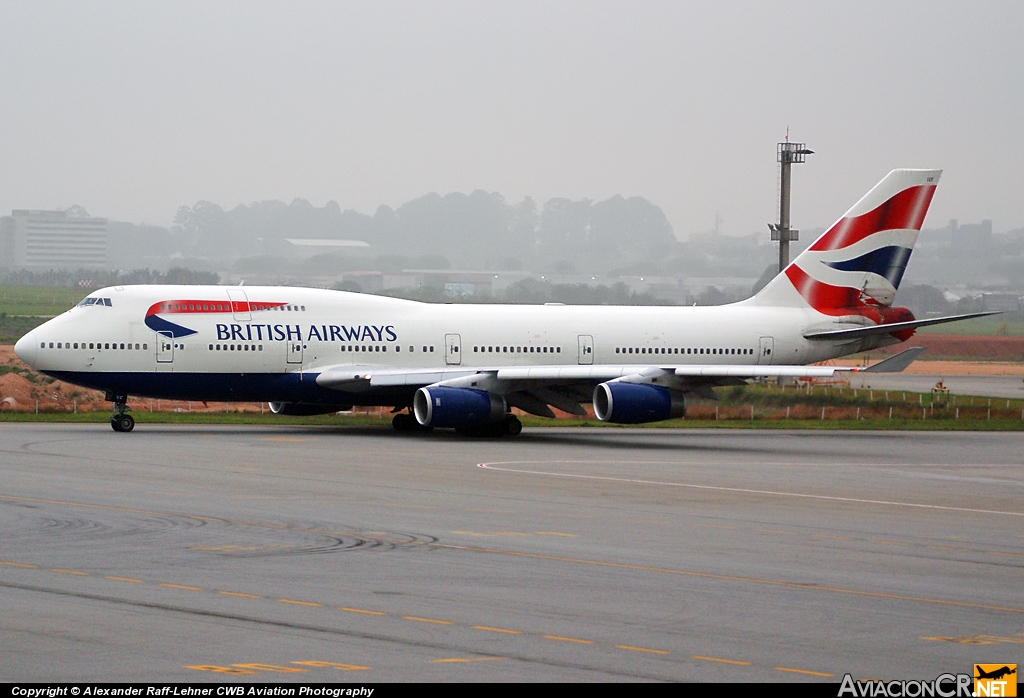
{"x": 788, "y": 153}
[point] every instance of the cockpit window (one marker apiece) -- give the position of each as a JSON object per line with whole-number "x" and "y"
{"x": 94, "y": 301}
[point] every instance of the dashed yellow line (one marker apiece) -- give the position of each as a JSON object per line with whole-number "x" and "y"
{"x": 567, "y": 639}
{"x": 360, "y": 610}
{"x": 497, "y": 630}
{"x": 785, "y": 533}
{"x": 217, "y": 669}
{"x": 721, "y": 660}
{"x": 240, "y": 594}
{"x": 125, "y": 579}
{"x": 334, "y": 665}
{"x": 80, "y": 574}
{"x": 428, "y": 620}
{"x": 271, "y": 667}
{"x": 631, "y": 648}
{"x": 300, "y": 603}
{"x": 20, "y": 564}
{"x": 555, "y": 533}
{"x": 463, "y": 660}
{"x": 802, "y": 671}
{"x": 181, "y": 586}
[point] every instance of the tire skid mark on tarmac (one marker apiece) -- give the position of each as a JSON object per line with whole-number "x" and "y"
{"x": 335, "y": 541}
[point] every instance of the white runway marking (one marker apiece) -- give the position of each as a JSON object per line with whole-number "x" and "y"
{"x": 496, "y": 466}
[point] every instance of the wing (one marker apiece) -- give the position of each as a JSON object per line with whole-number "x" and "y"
{"x": 535, "y": 389}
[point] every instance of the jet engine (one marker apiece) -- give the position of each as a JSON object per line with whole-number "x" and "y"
{"x": 439, "y": 406}
{"x": 295, "y": 409}
{"x": 636, "y": 403}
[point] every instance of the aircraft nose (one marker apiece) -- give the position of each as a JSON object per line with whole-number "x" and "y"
{"x": 27, "y": 349}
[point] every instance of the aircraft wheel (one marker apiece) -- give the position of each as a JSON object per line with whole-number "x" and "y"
{"x": 115, "y": 423}
{"x": 126, "y": 423}
{"x": 513, "y": 427}
{"x": 403, "y": 422}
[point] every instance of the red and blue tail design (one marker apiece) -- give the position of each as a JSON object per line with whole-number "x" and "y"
{"x": 857, "y": 265}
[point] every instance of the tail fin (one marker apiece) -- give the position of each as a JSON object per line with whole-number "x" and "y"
{"x": 857, "y": 265}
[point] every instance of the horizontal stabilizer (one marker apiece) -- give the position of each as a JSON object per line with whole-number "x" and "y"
{"x": 871, "y": 330}
{"x": 896, "y": 364}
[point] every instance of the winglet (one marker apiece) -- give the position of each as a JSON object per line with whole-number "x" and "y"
{"x": 895, "y": 364}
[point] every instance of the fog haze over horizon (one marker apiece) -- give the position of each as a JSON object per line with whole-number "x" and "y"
{"x": 133, "y": 110}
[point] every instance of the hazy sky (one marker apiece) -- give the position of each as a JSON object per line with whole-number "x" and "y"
{"x": 132, "y": 109}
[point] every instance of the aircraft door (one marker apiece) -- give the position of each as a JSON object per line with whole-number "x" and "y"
{"x": 164, "y": 347}
{"x": 586, "y": 350}
{"x": 239, "y": 305}
{"x": 452, "y": 349}
{"x": 294, "y": 348}
{"x": 765, "y": 349}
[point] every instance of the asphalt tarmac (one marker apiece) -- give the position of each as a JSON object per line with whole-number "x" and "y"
{"x": 319, "y": 554}
{"x": 1007, "y": 387}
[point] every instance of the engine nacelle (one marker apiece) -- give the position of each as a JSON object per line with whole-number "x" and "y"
{"x": 294, "y": 409}
{"x": 636, "y": 403}
{"x": 438, "y": 406}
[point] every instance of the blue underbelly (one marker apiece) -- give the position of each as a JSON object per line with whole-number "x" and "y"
{"x": 231, "y": 387}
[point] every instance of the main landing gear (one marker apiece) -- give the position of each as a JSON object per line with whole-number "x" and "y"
{"x": 404, "y": 421}
{"x": 510, "y": 426}
{"x": 120, "y": 420}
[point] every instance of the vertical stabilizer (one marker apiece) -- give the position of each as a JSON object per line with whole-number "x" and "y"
{"x": 857, "y": 264}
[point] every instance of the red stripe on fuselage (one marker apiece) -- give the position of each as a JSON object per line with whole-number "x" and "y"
{"x": 194, "y": 307}
{"x": 904, "y": 211}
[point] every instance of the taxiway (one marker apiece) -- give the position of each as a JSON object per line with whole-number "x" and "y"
{"x": 317, "y": 554}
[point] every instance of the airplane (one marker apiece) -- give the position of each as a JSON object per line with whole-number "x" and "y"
{"x": 995, "y": 673}
{"x": 311, "y": 351}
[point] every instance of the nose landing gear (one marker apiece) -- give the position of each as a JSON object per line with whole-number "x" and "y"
{"x": 120, "y": 420}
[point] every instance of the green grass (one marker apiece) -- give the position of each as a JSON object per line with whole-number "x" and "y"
{"x": 23, "y": 308}
{"x": 145, "y": 418}
{"x": 39, "y": 300}
{"x": 768, "y": 403}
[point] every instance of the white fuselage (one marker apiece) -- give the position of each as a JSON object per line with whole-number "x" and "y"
{"x": 160, "y": 341}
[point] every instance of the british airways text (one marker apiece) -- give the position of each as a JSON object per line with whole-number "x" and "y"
{"x": 322, "y": 333}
